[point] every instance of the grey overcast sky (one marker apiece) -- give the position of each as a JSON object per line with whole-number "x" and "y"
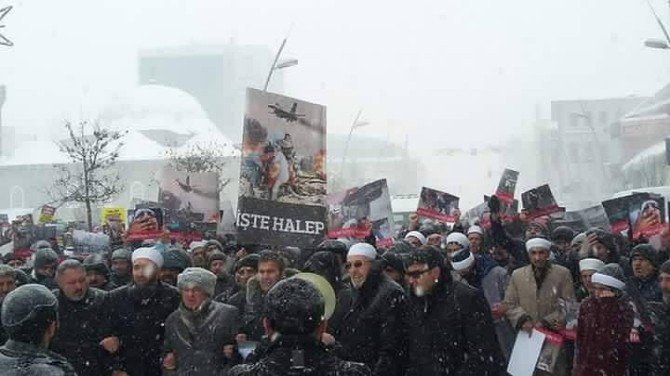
{"x": 441, "y": 72}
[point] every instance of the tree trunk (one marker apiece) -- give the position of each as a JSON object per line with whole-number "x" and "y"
{"x": 89, "y": 216}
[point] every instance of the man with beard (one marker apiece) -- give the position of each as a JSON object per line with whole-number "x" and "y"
{"x": 245, "y": 268}
{"x": 532, "y": 296}
{"x": 643, "y": 260}
{"x": 30, "y": 318}
{"x": 84, "y": 336}
{"x": 7, "y": 285}
{"x": 97, "y": 272}
{"x": 198, "y": 254}
{"x": 367, "y": 319}
{"x": 476, "y": 239}
{"x": 449, "y": 325}
{"x": 662, "y": 323}
{"x": 270, "y": 271}
{"x": 295, "y": 326}
{"x": 200, "y": 334}
{"x": 44, "y": 268}
{"x": 121, "y": 267}
{"x": 484, "y": 274}
{"x": 138, "y": 313}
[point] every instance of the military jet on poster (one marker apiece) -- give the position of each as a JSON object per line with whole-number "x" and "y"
{"x": 290, "y": 115}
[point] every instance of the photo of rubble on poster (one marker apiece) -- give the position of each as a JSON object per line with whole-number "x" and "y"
{"x": 282, "y": 195}
{"x": 189, "y": 198}
{"x": 440, "y": 206}
{"x": 359, "y": 211}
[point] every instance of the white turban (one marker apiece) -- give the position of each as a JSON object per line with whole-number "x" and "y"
{"x": 363, "y": 249}
{"x": 538, "y": 243}
{"x": 458, "y": 238}
{"x": 417, "y": 235}
{"x": 591, "y": 264}
{"x": 148, "y": 253}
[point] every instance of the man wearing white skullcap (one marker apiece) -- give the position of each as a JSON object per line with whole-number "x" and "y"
{"x": 368, "y": 315}
{"x": 139, "y": 311}
{"x": 533, "y": 294}
{"x": 476, "y": 238}
{"x": 415, "y": 238}
{"x": 456, "y": 241}
{"x": 588, "y": 267}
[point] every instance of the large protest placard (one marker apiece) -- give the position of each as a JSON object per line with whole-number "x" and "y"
{"x": 437, "y": 205}
{"x": 646, "y": 213}
{"x": 539, "y": 202}
{"x": 358, "y": 211}
{"x": 617, "y": 213}
{"x": 282, "y": 195}
{"x": 47, "y": 214}
{"x": 188, "y": 199}
{"x": 582, "y": 220}
{"x": 507, "y": 186}
{"x": 145, "y": 222}
{"x": 113, "y": 221}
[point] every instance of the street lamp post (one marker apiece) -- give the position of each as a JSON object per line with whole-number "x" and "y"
{"x": 282, "y": 65}
{"x": 354, "y": 125}
{"x": 655, "y": 42}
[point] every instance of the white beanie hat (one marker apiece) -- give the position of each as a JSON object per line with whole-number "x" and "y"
{"x": 611, "y": 275}
{"x": 195, "y": 244}
{"x": 474, "y": 229}
{"x": 148, "y": 253}
{"x": 591, "y": 264}
{"x": 417, "y": 235}
{"x": 538, "y": 243}
{"x": 458, "y": 238}
{"x": 198, "y": 277}
{"x": 363, "y": 249}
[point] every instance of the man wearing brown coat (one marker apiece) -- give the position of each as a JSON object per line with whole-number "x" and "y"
{"x": 533, "y": 294}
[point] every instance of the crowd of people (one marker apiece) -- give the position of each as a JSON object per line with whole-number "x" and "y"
{"x": 442, "y": 300}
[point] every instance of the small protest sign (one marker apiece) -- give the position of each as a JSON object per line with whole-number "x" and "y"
{"x": 507, "y": 186}
{"x": 437, "y": 205}
{"x": 539, "y": 202}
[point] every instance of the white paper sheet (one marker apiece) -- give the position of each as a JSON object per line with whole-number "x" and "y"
{"x": 525, "y": 353}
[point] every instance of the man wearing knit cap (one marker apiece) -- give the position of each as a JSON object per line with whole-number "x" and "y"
{"x": 217, "y": 264}
{"x": 456, "y": 241}
{"x": 644, "y": 261}
{"x": 44, "y": 268}
{"x": 366, "y": 322}
{"x": 198, "y": 252}
{"x": 604, "y": 327}
{"x": 476, "y": 238}
{"x": 7, "y": 285}
{"x": 200, "y": 334}
{"x": 533, "y": 294}
{"x": 415, "y": 238}
{"x": 245, "y": 268}
{"x": 121, "y": 267}
{"x": 449, "y": 325}
{"x": 587, "y": 267}
{"x": 175, "y": 260}
{"x": 138, "y": 314}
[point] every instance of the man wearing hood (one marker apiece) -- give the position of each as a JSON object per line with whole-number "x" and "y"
{"x": 218, "y": 264}
{"x": 271, "y": 268}
{"x": 121, "y": 267}
{"x": 245, "y": 268}
{"x": 44, "y": 268}
{"x": 85, "y": 334}
{"x": 481, "y": 272}
{"x": 97, "y": 272}
{"x": 30, "y": 318}
{"x": 139, "y": 311}
{"x": 449, "y": 325}
{"x": 367, "y": 320}
{"x": 644, "y": 263}
{"x": 295, "y": 327}
{"x": 200, "y": 334}
{"x": 533, "y": 294}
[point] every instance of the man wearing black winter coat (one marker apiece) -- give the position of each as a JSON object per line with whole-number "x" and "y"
{"x": 449, "y": 325}
{"x": 367, "y": 320}
{"x": 139, "y": 312}
{"x": 84, "y": 328}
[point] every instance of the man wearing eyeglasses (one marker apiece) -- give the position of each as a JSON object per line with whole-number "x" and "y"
{"x": 449, "y": 325}
{"x": 367, "y": 320}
